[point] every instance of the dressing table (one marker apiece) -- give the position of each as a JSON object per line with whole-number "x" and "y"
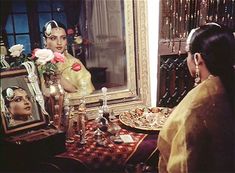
{"x": 112, "y": 156}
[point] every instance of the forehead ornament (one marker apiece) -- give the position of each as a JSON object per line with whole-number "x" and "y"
{"x": 49, "y": 27}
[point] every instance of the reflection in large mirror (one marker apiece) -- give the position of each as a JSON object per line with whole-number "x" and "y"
{"x": 106, "y": 31}
{"x": 109, "y": 38}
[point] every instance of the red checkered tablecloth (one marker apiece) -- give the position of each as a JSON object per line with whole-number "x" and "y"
{"x": 113, "y": 156}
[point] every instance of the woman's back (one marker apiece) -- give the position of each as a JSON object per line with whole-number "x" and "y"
{"x": 199, "y": 135}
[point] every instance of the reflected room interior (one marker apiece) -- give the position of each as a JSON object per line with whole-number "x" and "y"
{"x": 111, "y": 38}
{"x": 99, "y": 33}
{"x": 98, "y": 27}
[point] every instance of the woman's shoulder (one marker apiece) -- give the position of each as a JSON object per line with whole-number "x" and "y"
{"x": 209, "y": 89}
{"x": 71, "y": 59}
{"x": 200, "y": 99}
{"x": 69, "y": 56}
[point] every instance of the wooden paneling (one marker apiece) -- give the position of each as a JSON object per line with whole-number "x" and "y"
{"x": 175, "y": 80}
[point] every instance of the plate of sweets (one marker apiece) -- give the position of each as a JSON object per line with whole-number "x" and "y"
{"x": 145, "y": 118}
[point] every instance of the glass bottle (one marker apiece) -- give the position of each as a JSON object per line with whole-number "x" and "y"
{"x": 105, "y": 105}
{"x": 81, "y": 120}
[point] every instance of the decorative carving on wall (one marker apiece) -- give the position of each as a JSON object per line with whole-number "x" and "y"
{"x": 178, "y": 17}
{"x": 175, "y": 80}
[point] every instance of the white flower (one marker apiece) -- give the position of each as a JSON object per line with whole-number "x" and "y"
{"x": 16, "y": 50}
{"x": 10, "y": 94}
{"x": 44, "y": 56}
{"x": 78, "y": 40}
{"x": 48, "y": 30}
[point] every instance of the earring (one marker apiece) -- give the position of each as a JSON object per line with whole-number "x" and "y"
{"x": 44, "y": 42}
{"x": 197, "y": 75}
{"x": 9, "y": 119}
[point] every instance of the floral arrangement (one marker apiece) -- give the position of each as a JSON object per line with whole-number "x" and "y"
{"x": 47, "y": 59}
{"x": 75, "y": 38}
{"x": 17, "y": 57}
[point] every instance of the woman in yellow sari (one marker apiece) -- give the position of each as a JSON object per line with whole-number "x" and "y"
{"x": 199, "y": 134}
{"x": 55, "y": 38}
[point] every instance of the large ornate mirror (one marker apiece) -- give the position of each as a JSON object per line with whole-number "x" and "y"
{"x": 114, "y": 47}
{"x": 123, "y": 50}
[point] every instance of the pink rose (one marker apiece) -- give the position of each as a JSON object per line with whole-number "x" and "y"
{"x": 33, "y": 53}
{"x": 58, "y": 57}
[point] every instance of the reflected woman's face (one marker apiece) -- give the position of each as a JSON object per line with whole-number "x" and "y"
{"x": 57, "y": 41}
{"x": 20, "y": 107}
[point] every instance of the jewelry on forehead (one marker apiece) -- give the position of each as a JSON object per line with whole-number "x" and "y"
{"x": 58, "y": 28}
{"x": 213, "y": 23}
{"x": 49, "y": 27}
{"x": 10, "y": 93}
{"x": 51, "y": 21}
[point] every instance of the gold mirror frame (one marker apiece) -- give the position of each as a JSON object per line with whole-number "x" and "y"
{"x": 137, "y": 92}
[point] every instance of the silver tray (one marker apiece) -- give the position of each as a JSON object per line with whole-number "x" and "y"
{"x": 150, "y": 119}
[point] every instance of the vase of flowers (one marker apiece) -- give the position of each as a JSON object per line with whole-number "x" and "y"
{"x": 56, "y": 97}
{"x": 50, "y": 79}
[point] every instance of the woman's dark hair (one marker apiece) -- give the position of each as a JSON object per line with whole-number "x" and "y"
{"x": 53, "y": 24}
{"x": 216, "y": 44}
{"x": 7, "y": 100}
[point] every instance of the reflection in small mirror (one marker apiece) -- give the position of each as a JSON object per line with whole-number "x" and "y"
{"x": 19, "y": 108}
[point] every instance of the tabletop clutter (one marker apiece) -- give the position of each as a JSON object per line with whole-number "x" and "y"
{"x": 106, "y": 124}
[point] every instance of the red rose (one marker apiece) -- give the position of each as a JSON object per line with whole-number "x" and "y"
{"x": 70, "y": 31}
{"x": 76, "y": 66}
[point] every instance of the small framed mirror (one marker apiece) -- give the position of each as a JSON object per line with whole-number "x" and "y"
{"x": 19, "y": 109}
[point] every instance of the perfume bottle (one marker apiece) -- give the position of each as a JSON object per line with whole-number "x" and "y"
{"x": 98, "y": 133}
{"x": 105, "y": 106}
{"x": 81, "y": 121}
